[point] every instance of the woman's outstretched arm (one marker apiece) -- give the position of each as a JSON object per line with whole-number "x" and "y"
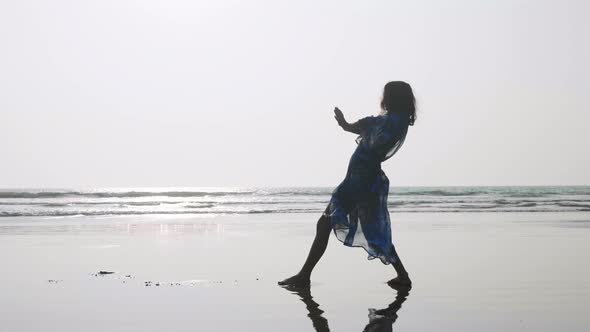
{"x": 350, "y": 127}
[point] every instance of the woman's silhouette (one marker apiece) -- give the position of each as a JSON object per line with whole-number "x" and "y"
{"x": 357, "y": 212}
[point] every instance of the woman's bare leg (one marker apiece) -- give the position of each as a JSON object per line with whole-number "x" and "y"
{"x": 316, "y": 252}
{"x": 318, "y": 246}
{"x": 402, "y": 279}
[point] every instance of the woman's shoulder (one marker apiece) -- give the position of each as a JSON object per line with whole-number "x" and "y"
{"x": 367, "y": 119}
{"x": 385, "y": 120}
{"x": 366, "y": 122}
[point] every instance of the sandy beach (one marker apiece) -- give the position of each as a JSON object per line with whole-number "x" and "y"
{"x": 484, "y": 272}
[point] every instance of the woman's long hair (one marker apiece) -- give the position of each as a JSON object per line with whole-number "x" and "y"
{"x": 399, "y": 98}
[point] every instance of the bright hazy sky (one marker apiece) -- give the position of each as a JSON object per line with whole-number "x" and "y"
{"x": 240, "y": 93}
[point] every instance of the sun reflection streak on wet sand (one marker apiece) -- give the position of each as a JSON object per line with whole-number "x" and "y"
{"x": 163, "y": 229}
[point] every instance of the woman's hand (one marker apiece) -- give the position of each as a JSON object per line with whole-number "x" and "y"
{"x": 340, "y": 118}
{"x": 350, "y": 127}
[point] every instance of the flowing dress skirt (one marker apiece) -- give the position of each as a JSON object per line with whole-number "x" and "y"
{"x": 358, "y": 209}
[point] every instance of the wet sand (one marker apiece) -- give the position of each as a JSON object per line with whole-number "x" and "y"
{"x": 471, "y": 271}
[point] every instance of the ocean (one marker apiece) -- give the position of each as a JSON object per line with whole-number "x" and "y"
{"x": 213, "y": 201}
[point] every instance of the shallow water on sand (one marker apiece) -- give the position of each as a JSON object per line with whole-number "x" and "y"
{"x": 471, "y": 271}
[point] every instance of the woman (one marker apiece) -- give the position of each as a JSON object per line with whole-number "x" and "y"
{"x": 357, "y": 212}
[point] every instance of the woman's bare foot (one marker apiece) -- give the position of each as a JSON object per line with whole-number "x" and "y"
{"x": 400, "y": 281}
{"x": 296, "y": 280}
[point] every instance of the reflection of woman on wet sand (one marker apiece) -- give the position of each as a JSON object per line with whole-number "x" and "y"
{"x": 357, "y": 212}
{"x": 379, "y": 320}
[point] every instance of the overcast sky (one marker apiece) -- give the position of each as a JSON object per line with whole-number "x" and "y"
{"x": 240, "y": 93}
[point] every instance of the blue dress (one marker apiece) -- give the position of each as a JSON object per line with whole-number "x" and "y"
{"x": 358, "y": 207}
